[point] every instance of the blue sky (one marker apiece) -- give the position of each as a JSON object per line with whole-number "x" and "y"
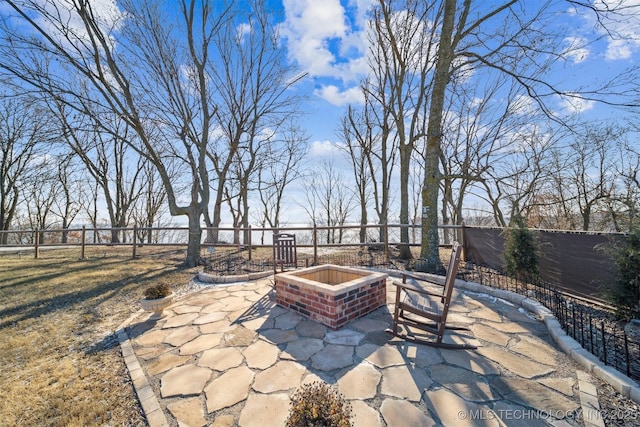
{"x": 326, "y": 39}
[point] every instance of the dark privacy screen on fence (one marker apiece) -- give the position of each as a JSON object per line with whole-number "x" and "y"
{"x": 579, "y": 262}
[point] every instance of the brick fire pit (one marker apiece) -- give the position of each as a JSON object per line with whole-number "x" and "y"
{"x": 330, "y": 294}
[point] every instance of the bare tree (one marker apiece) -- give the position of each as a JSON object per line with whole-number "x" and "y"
{"x": 23, "y": 128}
{"x": 150, "y": 205}
{"x": 371, "y": 144}
{"x": 252, "y": 84}
{"x": 483, "y": 125}
{"x": 116, "y": 168}
{"x": 329, "y": 201}
{"x": 516, "y": 180}
{"x": 358, "y": 140}
{"x": 403, "y": 47}
{"x": 40, "y": 193}
{"x": 143, "y": 66}
{"x": 520, "y": 46}
{"x": 282, "y": 166}
{"x": 67, "y": 205}
{"x": 590, "y": 172}
{"x": 624, "y": 205}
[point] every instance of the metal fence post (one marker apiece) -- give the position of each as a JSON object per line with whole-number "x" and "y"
{"x": 36, "y": 240}
{"x": 83, "y": 243}
{"x": 135, "y": 233}
{"x": 315, "y": 244}
{"x": 249, "y": 243}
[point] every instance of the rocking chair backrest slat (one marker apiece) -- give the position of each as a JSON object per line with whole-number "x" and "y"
{"x": 452, "y": 271}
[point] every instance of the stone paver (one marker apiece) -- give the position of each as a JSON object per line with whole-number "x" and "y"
{"x": 287, "y": 321}
{"x": 238, "y": 337}
{"x": 402, "y": 413}
{"x": 230, "y": 357}
{"x": 182, "y": 335}
{"x": 452, "y": 410}
{"x": 472, "y": 361}
{"x": 221, "y": 359}
{"x": 278, "y": 336}
{"x": 184, "y": 380}
{"x": 188, "y": 411}
{"x": 180, "y": 320}
{"x": 360, "y": 382}
{"x": 397, "y": 382}
{"x": 535, "y": 395}
{"x": 164, "y": 362}
{"x": 333, "y": 357}
{"x": 382, "y": 357}
{"x": 210, "y": 318}
{"x": 200, "y": 344}
{"x": 260, "y": 355}
{"x": 516, "y": 363}
{"x": 363, "y": 415}
{"x": 311, "y": 329}
{"x": 466, "y": 384}
{"x": 302, "y": 348}
{"x": 343, "y": 337}
{"x": 229, "y": 388}
{"x": 283, "y": 375}
{"x": 152, "y": 338}
{"x": 265, "y": 410}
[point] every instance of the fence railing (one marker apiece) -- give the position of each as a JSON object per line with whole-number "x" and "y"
{"x": 380, "y": 236}
{"x": 591, "y": 325}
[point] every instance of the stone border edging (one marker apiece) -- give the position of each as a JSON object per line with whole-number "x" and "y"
{"x": 212, "y": 278}
{"x": 148, "y": 401}
{"x": 624, "y": 385}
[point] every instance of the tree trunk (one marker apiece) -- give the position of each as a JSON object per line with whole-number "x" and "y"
{"x": 195, "y": 235}
{"x": 405, "y": 159}
{"x": 430, "y": 243}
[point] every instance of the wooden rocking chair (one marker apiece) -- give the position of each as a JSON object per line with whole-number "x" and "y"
{"x": 284, "y": 251}
{"x": 419, "y": 310}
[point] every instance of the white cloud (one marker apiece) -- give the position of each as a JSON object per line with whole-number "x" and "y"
{"x": 574, "y": 104}
{"x": 620, "y": 28}
{"x": 320, "y": 39}
{"x": 243, "y": 30}
{"x": 308, "y": 26}
{"x": 576, "y": 50}
{"x": 323, "y": 149}
{"x": 107, "y": 13}
{"x": 522, "y": 105}
{"x": 619, "y": 49}
{"x": 337, "y": 97}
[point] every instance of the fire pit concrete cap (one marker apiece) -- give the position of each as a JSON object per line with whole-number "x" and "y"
{"x": 331, "y": 279}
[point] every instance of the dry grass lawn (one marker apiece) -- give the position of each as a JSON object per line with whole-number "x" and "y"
{"x": 60, "y": 360}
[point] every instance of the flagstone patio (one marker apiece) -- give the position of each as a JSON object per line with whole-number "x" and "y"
{"x": 228, "y": 355}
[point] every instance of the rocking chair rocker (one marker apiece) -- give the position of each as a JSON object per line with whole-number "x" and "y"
{"x": 419, "y": 310}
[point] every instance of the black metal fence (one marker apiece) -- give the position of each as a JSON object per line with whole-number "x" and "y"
{"x": 592, "y": 325}
{"x": 236, "y": 262}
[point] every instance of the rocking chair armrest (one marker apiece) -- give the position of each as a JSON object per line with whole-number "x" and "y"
{"x": 417, "y": 289}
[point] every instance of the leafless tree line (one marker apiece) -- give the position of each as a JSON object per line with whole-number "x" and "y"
{"x": 188, "y": 110}
{"x": 495, "y": 142}
{"x": 159, "y": 105}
